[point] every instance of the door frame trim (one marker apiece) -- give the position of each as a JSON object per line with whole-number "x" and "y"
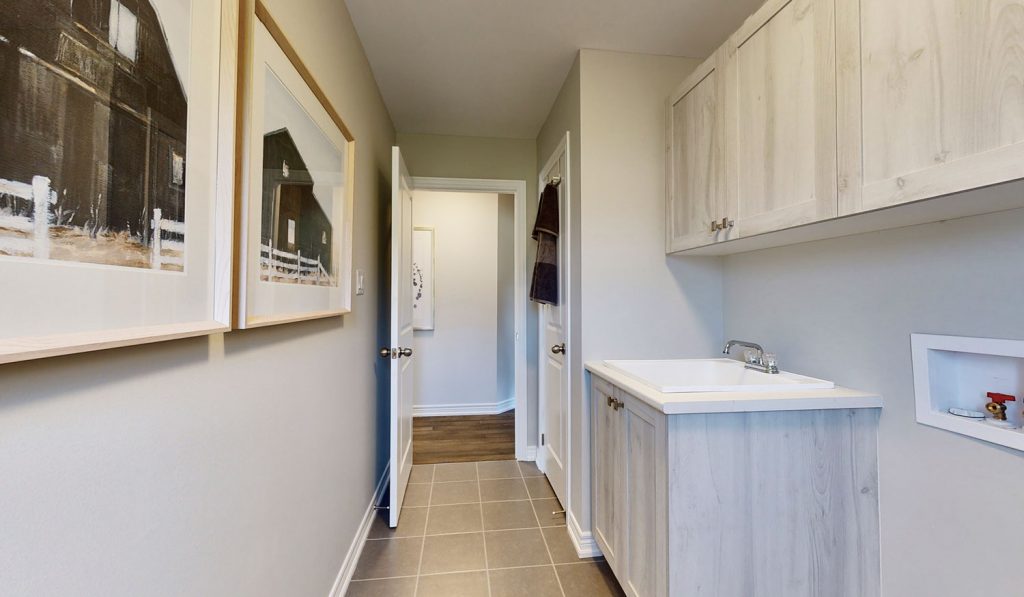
{"x": 516, "y": 188}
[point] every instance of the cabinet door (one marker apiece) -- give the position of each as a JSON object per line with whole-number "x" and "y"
{"x": 782, "y": 131}
{"x": 645, "y": 551}
{"x": 607, "y": 474}
{"x": 696, "y": 160}
{"x": 943, "y": 107}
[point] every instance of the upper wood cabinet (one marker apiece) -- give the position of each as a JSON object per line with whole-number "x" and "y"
{"x": 781, "y": 116}
{"x": 816, "y": 109}
{"x": 943, "y": 98}
{"x": 697, "y": 195}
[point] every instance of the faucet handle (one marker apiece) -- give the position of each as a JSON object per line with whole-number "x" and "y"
{"x": 750, "y": 357}
{"x": 771, "y": 362}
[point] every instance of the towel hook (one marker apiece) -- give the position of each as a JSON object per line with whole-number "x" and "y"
{"x": 555, "y": 180}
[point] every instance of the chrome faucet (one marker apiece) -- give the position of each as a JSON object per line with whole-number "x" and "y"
{"x": 755, "y": 358}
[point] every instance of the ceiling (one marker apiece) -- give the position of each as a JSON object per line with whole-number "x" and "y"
{"x": 492, "y": 68}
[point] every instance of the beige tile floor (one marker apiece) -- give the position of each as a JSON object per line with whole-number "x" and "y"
{"x": 486, "y": 529}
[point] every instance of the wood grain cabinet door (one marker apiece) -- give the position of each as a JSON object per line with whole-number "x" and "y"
{"x": 696, "y": 159}
{"x": 943, "y": 98}
{"x": 781, "y": 119}
{"x": 608, "y": 455}
{"x": 646, "y": 494}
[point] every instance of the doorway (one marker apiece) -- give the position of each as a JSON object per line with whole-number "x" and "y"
{"x": 469, "y": 287}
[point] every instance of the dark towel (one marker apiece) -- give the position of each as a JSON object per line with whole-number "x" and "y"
{"x": 544, "y": 289}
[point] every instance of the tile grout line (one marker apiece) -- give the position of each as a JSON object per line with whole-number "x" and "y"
{"x": 465, "y": 532}
{"x": 545, "y": 540}
{"x": 483, "y": 530}
{"x": 378, "y": 578}
{"x": 423, "y": 541}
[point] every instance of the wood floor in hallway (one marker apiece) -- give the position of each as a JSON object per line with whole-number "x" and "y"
{"x": 464, "y": 439}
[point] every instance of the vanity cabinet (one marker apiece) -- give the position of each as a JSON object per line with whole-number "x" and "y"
{"x": 734, "y": 504}
{"x": 627, "y": 470}
{"x": 846, "y": 115}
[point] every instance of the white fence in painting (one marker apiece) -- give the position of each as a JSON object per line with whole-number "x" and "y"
{"x": 41, "y": 196}
{"x": 38, "y": 228}
{"x": 281, "y": 265}
{"x": 157, "y": 246}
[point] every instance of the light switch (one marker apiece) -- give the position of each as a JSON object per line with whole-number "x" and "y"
{"x": 360, "y": 283}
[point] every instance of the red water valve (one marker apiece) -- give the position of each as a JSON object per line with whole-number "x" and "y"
{"x": 1001, "y": 398}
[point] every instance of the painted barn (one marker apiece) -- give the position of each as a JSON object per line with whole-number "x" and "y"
{"x": 293, "y": 219}
{"x": 90, "y": 98}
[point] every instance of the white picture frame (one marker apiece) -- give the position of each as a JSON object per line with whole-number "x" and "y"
{"x": 423, "y": 263}
{"x": 55, "y": 304}
{"x": 295, "y": 224}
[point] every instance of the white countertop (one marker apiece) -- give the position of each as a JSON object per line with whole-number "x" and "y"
{"x": 731, "y": 402}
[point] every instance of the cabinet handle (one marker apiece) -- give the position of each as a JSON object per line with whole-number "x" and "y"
{"x": 726, "y": 223}
{"x": 714, "y": 227}
{"x": 615, "y": 403}
{"x": 611, "y": 401}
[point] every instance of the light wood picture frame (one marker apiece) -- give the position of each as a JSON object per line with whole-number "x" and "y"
{"x": 127, "y": 239}
{"x": 296, "y": 180}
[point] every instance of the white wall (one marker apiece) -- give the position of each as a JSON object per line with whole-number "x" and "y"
{"x": 456, "y": 363}
{"x": 205, "y": 466}
{"x": 630, "y": 300}
{"x": 952, "y": 507}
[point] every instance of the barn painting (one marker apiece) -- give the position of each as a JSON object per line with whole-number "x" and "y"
{"x": 93, "y": 118}
{"x": 302, "y": 174}
{"x": 297, "y": 233}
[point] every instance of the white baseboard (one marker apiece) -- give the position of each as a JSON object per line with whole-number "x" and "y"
{"x": 348, "y": 566}
{"x": 459, "y": 410}
{"x": 530, "y": 455}
{"x": 584, "y": 543}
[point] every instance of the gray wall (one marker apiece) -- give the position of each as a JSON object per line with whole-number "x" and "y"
{"x": 952, "y": 507}
{"x": 204, "y": 467}
{"x": 634, "y": 302}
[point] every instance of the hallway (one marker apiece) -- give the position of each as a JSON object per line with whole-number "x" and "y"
{"x": 478, "y": 529}
{"x": 467, "y": 438}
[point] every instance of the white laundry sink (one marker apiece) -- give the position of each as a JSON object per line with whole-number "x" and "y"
{"x": 713, "y": 375}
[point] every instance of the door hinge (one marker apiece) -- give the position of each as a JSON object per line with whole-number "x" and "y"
{"x": 542, "y": 439}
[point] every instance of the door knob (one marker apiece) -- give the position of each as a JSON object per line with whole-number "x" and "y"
{"x": 558, "y": 349}
{"x": 385, "y": 353}
{"x": 405, "y": 352}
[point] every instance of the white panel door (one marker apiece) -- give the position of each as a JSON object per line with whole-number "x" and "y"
{"x": 552, "y": 455}
{"x": 402, "y": 362}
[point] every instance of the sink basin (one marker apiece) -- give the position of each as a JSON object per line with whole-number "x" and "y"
{"x": 713, "y": 375}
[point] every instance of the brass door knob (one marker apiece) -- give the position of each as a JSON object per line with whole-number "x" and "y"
{"x": 558, "y": 349}
{"x": 405, "y": 352}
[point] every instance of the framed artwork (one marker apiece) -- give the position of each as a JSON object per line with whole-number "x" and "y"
{"x": 296, "y": 212}
{"x": 423, "y": 278}
{"x": 115, "y": 194}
